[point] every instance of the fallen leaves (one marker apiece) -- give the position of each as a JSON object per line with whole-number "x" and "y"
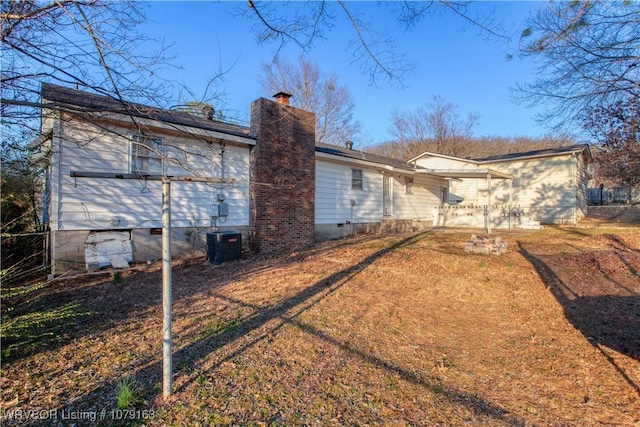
{"x": 372, "y": 330}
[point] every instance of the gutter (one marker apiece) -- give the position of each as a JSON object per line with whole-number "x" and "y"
{"x": 350, "y": 160}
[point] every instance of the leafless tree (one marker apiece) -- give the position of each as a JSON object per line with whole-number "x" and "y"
{"x": 474, "y": 147}
{"x": 373, "y": 46}
{"x": 587, "y": 53}
{"x": 316, "y": 91}
{"x": 92, "y": 45}
{"x": 616, "y": 128}
{"x": 436, "y": 127}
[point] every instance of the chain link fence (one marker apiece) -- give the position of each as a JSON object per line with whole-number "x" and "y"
{"x": 601, "y": 196}
{"x": 24, "y": 257}
{"x": 626, "y": 214}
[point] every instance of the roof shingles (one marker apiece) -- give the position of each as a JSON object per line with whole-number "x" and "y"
{"x": 91, "y": 103}
{"x": 536, "y": 153}
{"x": 361, "y": 155}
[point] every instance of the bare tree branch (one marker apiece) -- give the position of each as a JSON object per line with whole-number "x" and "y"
{"x": 587, "y": 54}
{"x": 375, "y": 51}
{"x": 315, "y": 91}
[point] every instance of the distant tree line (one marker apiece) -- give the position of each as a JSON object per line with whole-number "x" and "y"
{"x": 468, "y": 147}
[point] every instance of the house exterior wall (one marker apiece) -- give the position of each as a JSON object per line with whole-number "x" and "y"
{"x": 543, "y": 188}
{"x": 420, "y": 203}
{"x": 334, "y": 194}
{"x": 551, "y": 189}
{"x": 81, "y": 205}
{"x": 467, "y": 192}
{"x": 282, "y": 192}
{"x": 457, "y": 192}
{"x": 437, "y": 162}
{"x": 334, "y": 215}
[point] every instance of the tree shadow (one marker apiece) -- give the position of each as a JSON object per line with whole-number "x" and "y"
{"x": 286, "y": 312}
{"x": 618, "y": 243}
{"x": 307, "y": 298}
{"x": 606, "y": 320}
{"x": 46, "y": 316}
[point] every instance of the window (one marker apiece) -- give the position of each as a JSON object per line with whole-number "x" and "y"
{"x": 356, "y": 179}
{"x": 408, "y": 185}
{"x": 146, "y": 155}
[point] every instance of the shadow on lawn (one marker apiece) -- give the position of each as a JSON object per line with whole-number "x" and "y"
{"x": 44, "y": 316}
{"x": 286, "y": 311}
{"x": 607, "y": 320}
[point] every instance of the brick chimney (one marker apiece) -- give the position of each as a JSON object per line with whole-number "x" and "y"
{"x": 282, "y": 164}
{"x": 282, "y": 97}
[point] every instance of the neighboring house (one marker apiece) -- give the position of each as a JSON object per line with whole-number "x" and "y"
{"x": 548, "y": 185}
{"x": 270, "y": 181}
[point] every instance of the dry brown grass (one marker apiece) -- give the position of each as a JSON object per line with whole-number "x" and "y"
{"x": 402, "y": 330}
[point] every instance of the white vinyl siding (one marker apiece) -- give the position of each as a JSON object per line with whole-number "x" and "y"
{"x": 434, "y": 162}
{"x": 542, "y": 187}
{"x": 89, "y": 203}
{"x": 419, "y": 204}
{"x": 466, "y": 192}
{"x": 334, "y": 193}
{"x": 549, "y": 189}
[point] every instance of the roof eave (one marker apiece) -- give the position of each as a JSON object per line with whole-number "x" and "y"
{"x": 180, "y": 128}
{"x": 538, "y": 156}
{"x": 382, "y": 166}
{"x": 428, "y": 153}
{"x": 466, "y": 173}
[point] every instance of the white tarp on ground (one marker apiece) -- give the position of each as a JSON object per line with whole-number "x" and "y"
{"x": 106, "y": 248}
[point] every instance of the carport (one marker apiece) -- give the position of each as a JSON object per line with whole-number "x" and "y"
{"x": 486, "y": 174}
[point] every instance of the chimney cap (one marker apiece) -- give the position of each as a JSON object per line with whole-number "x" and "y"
{"x": 283, "y": 94}
{"x": 283, "y": 97}
{"x": 208, "y": 111}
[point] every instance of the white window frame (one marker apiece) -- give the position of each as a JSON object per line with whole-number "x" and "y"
{"x": 408, "y": 185}
{"x": 357, "y": 183}
{"x": 444, "y": 194}
{"x": 146, "y": 155}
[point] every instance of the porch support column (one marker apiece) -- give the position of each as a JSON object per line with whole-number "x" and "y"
{"x": 167, "y": 363}
{"x": 510, "y": 201}
{"x": 489, "y": 203}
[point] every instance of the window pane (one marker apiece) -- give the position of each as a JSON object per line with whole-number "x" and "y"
{"x": 356, "y": 178}
{"x": 408, "y": 185}
{"x": 146, "y": 155}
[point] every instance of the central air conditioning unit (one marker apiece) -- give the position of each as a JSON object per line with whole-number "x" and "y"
{"x": 223, "y": 246}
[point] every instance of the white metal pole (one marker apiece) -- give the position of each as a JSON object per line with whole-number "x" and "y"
{"x": 166, "y": 288}
{"x": 510, "y": 201}
{"x": 489, "y": 219}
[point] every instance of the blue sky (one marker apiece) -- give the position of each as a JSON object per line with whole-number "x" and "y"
{"x": 451, "y": 61}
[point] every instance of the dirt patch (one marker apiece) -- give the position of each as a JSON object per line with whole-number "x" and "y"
{"x": 402, "y": 330}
